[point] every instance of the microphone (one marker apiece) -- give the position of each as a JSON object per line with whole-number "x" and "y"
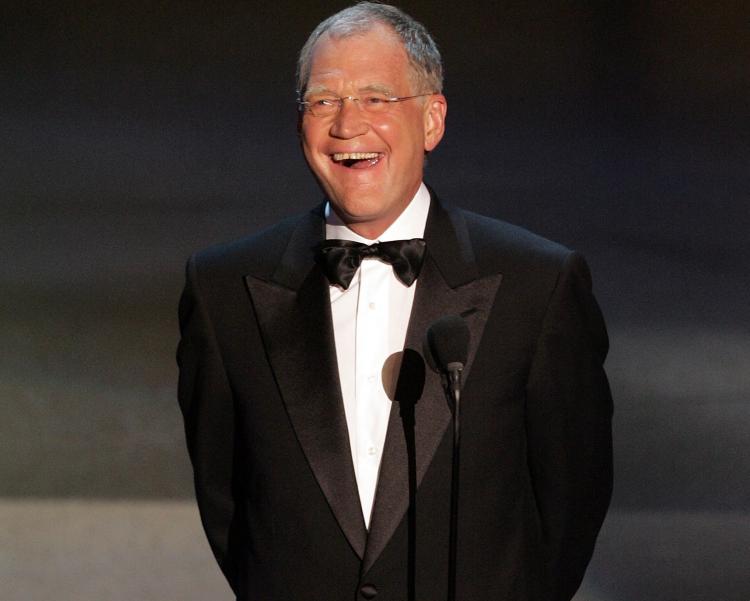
{"x": 448, "y": 344}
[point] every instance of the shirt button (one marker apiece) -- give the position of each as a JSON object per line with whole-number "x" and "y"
{"x": 372, "y": 306}
{"x": 371, "y": 379}
{"x": 371, "y": 450}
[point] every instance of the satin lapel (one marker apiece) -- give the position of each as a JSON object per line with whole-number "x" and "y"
{"x": 470, "y": 297}
{"x": 294, "y": 315}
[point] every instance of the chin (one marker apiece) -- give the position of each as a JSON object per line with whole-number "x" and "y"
{"x": 359, "y": 203}
{"x": 358, "y": 210}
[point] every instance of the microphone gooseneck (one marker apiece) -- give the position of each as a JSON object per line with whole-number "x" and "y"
{"x": 448, "y": 349}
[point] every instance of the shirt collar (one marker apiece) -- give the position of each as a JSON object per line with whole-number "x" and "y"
{"x": 410, "y": 224}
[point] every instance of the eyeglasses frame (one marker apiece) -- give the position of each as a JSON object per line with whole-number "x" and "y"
{"x": 303, "y": 106}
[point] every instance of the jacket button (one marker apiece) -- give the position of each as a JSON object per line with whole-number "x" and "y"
{"x": 368, "y": 591}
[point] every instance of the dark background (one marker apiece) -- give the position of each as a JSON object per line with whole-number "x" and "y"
{"x": 135, "y": 133}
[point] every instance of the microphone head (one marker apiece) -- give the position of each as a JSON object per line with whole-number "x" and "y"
{"x": 448, "y": 343}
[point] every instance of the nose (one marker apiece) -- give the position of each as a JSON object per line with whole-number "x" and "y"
{"x": 349, "y": 122}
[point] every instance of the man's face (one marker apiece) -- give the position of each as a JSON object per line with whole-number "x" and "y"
{"x": 369, "y": 194}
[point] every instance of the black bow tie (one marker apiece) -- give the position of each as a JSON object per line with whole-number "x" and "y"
{"x": 340, "y": 259}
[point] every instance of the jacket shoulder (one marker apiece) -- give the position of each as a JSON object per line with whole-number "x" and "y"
{"x": 257, "y": 254}
{"x": 499, "y": 246}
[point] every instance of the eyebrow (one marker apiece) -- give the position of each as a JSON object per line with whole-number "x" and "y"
{"x": 321, "y": 89}
{"x": 380, "y": 88}
{"x": 318, "y": 90}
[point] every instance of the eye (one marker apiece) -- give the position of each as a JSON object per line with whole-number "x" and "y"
{"x": 374, "y": 100}
{"x": 325, "y": 102}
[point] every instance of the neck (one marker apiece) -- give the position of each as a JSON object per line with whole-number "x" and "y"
{"x": 369, "y": 230}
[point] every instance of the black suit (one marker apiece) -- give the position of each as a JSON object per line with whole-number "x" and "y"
{"x": 268, "y": 439}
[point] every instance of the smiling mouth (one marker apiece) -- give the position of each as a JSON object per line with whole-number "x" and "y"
{"x": 356, "y": 160}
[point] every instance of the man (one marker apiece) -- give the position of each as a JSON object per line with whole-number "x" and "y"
{"x": 312, "y": 485}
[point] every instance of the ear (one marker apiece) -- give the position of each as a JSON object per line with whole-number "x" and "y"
{"x": 435, "y": 110}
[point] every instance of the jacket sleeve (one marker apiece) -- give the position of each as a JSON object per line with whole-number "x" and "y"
{"x": 568, "y": 424}
{"x": 207, "y": 406}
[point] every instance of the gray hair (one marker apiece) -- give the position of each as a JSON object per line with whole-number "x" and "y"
{"x": 424, "y": 56}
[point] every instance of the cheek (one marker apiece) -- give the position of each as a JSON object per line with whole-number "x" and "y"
{"x": 405, "y": 136}
{"x": 311, "y": 135}
{"x": 391, "y": 127}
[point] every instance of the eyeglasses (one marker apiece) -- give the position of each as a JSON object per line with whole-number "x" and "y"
{"x": 327, "y": 106}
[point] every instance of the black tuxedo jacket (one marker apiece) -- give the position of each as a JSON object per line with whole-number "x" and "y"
{"x": 267, "y": 435}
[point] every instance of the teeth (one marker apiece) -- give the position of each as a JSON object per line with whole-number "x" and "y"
{"x": 356, "y": 156}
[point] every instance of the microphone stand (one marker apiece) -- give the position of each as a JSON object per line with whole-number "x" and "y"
{"x": 453, "y": 389}
{"x": 448, "y": 345}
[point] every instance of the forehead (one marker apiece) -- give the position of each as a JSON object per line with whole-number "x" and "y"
{"x": 376, "y": 57}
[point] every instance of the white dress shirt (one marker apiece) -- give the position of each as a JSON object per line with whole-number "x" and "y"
{"x": 370, "y": 319}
